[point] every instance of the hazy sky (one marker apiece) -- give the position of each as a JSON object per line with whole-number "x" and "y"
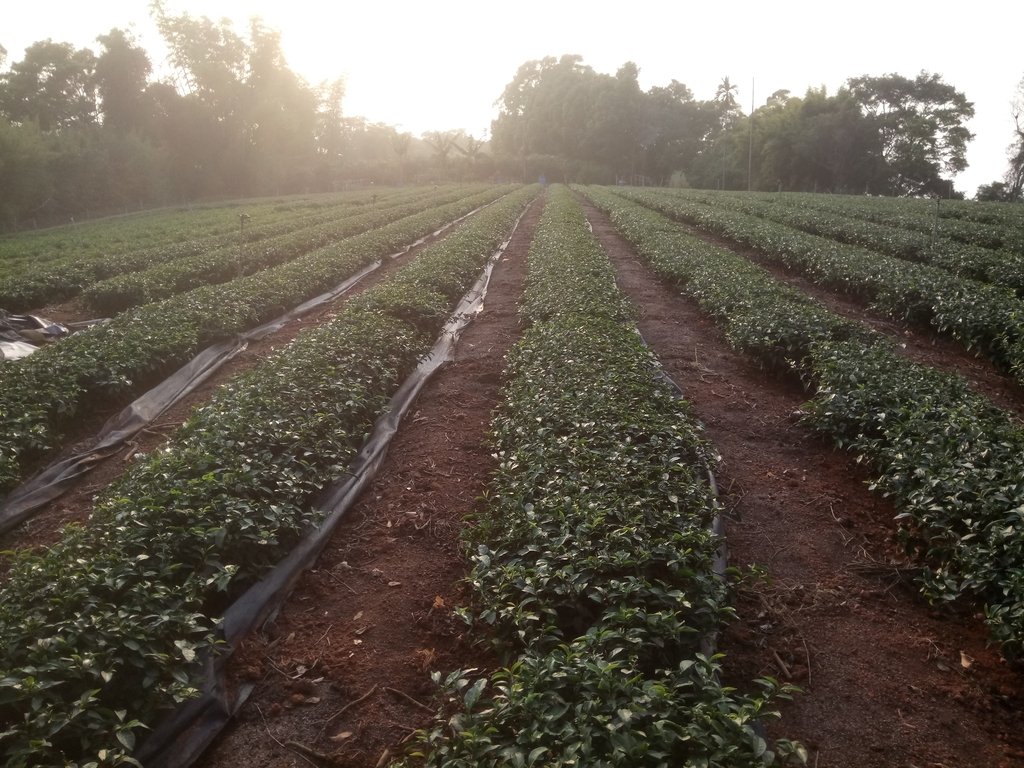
{"x": 442, "y": 64}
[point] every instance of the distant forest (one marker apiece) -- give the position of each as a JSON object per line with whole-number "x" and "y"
{"x": 84, "y": 133}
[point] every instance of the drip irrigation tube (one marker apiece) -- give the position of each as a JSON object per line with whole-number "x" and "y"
{"x": 719, "y": 565}
{"x": 179, "y": 741}
{"x": 720, "y": 562}
{"x": 57, "y": 478}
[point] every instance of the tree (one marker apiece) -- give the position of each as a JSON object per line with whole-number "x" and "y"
{"x": 53, "y": 86}
{"x": 122, "y": 72}
{"x": 920, "y": 123}
{"x": 560, "y": 118}
{"x": 24, "y": 167}
{"x": 1014, "y": 178}
{"x": 400, "y": 146}
{"x": 209, "y": 59}
{"x": 547, "y": 110}
{"x": 279, "y": 114}
{"x": 330, "y": 133}
{"x": 824, "y": 143}
{"x": 471, "y": 147}
{"x": 443, "y": 143}
{"x": 613, "y": 133}
{"x": 259, "y": 123}
{"x": 725, "y": 94}
{"x": 474, "y": 163}
{"x": 675, "y": 126}
{"x": 996, "y": 192}
{"x": 727, "y": 106}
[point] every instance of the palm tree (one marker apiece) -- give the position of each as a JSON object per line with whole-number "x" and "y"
{"x": 725, "y": 94}
{"x": 442, "y": 142}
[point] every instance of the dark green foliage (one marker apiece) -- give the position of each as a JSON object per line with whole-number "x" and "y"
{"x": 42, "y": 394}
{"x": 47, "y": 268}
{"x": 220, "y": 265}
{"x": 593, "y": 557}
{"x": 951, "y": 461}
{"x": 984, "y": 252}
{"x": 980, "y": 316}
{"x": 103, "y": 632}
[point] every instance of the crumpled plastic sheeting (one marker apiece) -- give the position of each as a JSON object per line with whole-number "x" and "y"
{"x": 179, "y": 741}
{"x": 53, "y": 481}
{"x": 21, "y": 335}
{"x": 15, "y": 350}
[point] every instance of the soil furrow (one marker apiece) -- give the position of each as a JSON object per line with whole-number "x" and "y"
{"x": 374, "y": 617}
{"x": 919, "y": 343}
{"x": 76, "y": 504}
{"x": 887, "y": 680}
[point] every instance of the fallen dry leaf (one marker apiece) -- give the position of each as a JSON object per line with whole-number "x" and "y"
{"x": 427, "y": 657}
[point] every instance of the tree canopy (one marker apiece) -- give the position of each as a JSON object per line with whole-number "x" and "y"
{"x": 886, "y": 135}
{"x": 920, "y": 126}
{"x": 84, "y": 130}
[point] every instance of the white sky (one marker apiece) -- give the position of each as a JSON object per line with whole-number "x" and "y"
{"x": 442, "y": 64}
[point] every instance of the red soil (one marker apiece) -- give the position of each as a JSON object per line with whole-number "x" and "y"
{"x": 342, "y": 675}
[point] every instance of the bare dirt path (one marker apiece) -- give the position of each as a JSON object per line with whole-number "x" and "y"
{"x": 888, "y": 681}
{"x": 375, "y": 616}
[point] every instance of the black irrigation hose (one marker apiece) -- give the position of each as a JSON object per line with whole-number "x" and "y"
{"x": 180, "y": 740}
{"x": 720, "y": 563}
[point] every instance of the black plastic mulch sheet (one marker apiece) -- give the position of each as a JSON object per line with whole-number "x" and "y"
{"x": 179, "y": 741}
{"x": 52, "y": 482}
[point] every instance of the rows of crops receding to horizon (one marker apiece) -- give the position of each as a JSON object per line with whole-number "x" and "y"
{"x": 992, "y": 227}
{"x": 594, "y": 556}
{"x": 219, "y": 265}
{"x": 952, "y": 462}
{"x": 985, "y": 252}
{"x": 998, "y": 227}
{"x": 106, "y": 630}
{"x": 113, "y": 281}
{"x": 41, "y": 396}
{"x": 981, "y": 316}
{"x": 101, "y": 248}
{"x": 113, "y": 236}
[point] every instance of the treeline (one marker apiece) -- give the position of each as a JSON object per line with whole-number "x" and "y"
{"x": 881, "y": 135}
{"x": 84, "y": 133}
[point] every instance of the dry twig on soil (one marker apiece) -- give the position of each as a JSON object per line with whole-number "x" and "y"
{"x": 409, "y": 698}
{"x": 348, "y": 706}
